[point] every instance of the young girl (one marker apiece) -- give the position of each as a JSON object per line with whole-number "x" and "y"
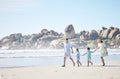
{"x": 78, "y": 57}
{"x": 88, "y": 56}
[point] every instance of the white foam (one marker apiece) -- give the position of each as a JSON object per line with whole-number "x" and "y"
{"x": 44, "y": 52}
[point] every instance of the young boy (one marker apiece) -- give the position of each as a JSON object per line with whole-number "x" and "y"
{"x": 78, "y": 57}
{"x": 88, "y": 56}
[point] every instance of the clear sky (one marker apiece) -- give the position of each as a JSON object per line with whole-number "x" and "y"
{"x": 30, "y": 16}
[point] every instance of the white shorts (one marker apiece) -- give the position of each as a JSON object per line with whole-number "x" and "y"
{"x": 67, "y": 54}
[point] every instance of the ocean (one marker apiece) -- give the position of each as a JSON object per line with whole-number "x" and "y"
{"x": 45, "y": 57}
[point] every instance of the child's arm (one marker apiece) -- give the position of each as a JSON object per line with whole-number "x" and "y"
{"x": 96, "y": 49}
{"x": 84, "y": 54}
{"x": 92, "y": 52}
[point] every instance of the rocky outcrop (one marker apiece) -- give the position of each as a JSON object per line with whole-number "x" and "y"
{"x": 52, "y": 39}
{"x": 12, "y": 40}
{"x": 40, "y": 40}
{"x": 69, "y": 31}
{"x": 105, "y": 32}
{"x": 52, "y": 32}
{"x": 57, "y": 43}
{"x": 118, "y": 37}
{"x": 99, "y": 32}
{"x": 93, "y": 35}
{"x": 35, "y": 37}
{"x": 44, "y": 32}
{"x": 84, "y": 35}
{"x": 114, "y": 31}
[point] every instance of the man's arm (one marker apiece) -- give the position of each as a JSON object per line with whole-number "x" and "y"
{"x": 72, "y": 50}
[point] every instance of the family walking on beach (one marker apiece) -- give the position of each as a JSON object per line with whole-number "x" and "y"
{"x": 68, "y": 48}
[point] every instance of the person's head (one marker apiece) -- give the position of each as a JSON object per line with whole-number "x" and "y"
{"x": 66, "y": 40}
{"x": 88, "y": 48}
{"x": 99, "y": 40}
{"x": 77, "y": 50}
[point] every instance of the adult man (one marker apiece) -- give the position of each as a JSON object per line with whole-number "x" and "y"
{"x": 67, "y": 48}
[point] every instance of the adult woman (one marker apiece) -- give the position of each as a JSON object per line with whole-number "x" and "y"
{"x": 102, "y": 49}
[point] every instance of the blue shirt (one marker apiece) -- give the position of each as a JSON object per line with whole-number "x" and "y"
{"x": 67, "y": 47}
{"x": 89, "y": 54}
{"x": 78, "y": 55}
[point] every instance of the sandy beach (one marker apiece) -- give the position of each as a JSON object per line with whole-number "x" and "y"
{"x": 110, "y": 71}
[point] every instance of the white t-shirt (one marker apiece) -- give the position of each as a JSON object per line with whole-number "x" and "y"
{"x": 67, "y": 47}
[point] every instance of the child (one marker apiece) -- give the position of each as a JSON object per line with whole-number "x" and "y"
{"x": 88, "y": 56}
{"x": 78, "y": 57}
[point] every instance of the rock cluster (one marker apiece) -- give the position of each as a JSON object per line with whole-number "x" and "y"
{"x": 105, "y": 33}
{"x": 52, "y": 39}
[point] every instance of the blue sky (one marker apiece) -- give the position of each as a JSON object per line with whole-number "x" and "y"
{"x": 30, "y": 16}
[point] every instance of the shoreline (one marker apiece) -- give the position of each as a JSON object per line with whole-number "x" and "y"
{"x": 50, "y": 61}
{"x": 110, "y": 71}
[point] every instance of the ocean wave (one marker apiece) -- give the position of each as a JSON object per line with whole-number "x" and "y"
{"x": 44, "y": 53}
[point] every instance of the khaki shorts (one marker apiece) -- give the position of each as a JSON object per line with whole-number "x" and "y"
{"x": 67, "y": 54}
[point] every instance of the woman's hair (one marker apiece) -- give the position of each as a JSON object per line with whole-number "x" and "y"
{"x": 66, "y": 38}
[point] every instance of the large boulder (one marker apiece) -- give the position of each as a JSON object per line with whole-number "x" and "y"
{"x": 99, "y": 32}
{"x": 44, "y": 42}
{"x": 44, "y": 32}
{"x": 18, "y": 36}
{"x": 84, "y": 35}
{"x": 52, "y": 32}
{"x": 104, "y": 28}
{"x": 105, "y": 33}
{"x": 69, "y": 31}
{"x": 48, "y": 38}
{"x": 114, "y": 31}
{"x": 12, "y": 40}
{"x": 35, "y": 37}
{"x": 118, "y": 37}
{"x": 57, "y": 44}
{"x": 93, "y": 35}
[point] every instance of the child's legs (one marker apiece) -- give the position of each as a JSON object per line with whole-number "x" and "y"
{"x": 91, "y": 62}
{"x": 79, "y": 62}
{"x": 87, "y": 62}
